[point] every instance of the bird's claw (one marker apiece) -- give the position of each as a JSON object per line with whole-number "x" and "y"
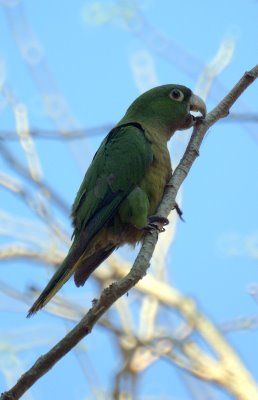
{"x": 157, "y": 222}
{"x": 158, "y": 219}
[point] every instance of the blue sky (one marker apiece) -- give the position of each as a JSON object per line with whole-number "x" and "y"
{"x": 92, "y": 59}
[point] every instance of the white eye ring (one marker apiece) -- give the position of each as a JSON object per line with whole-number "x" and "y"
{"x": 176, "y": 95}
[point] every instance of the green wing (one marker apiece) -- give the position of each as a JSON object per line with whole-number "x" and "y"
{"x": 117, "y": 167}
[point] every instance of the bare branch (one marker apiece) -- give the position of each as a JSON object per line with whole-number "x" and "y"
{"x": 23, "y": 171}
{"x": 242, "y": 384}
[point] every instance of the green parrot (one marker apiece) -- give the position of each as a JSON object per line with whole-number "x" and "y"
{"x": 118, "y": 198}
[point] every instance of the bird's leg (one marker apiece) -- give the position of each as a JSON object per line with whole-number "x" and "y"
{"x": 179, "y": 211}
{"x": 157, "y": 222}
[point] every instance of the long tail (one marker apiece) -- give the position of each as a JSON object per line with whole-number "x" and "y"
{"x": 74, "y": 262}
{"x": 76, "y": 256}
{"x": 63, "y": 273}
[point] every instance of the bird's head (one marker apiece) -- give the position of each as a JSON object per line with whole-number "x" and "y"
{"x": 167, "y": 108}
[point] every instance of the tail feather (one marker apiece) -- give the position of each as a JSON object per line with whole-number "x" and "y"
{"x": 62, "y": 274}
{"x": 89, "y": 264}
{"x": 56, "y": 282}
{"x": 74, "y": 262}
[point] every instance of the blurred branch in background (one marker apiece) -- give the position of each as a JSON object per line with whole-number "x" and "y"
{"x": 129, "y": 15}
{"x": 103, "y": 130}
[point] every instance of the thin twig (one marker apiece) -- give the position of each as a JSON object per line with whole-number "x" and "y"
{"x": 141, "y": 264}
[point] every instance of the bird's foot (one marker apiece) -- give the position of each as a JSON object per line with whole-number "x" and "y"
{"x": 157, "y": 222}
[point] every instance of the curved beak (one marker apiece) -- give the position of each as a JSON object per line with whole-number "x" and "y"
{"x": 197, "y": 104}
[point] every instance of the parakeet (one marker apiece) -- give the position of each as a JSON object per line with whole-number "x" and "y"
{"x": 124, "y": 184}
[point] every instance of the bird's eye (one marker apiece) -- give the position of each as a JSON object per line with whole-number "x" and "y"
{"x": 176, "y": 94}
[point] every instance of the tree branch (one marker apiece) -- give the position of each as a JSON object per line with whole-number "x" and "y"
{"x": 141, "y": 264}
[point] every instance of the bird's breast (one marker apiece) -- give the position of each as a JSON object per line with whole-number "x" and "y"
{"x": 157, "y": 176}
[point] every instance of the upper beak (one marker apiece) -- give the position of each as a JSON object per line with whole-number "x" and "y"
{"x": 197, "y": 104}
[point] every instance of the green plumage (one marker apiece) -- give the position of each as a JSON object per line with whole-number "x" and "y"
{"x": 124, "y": 183}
